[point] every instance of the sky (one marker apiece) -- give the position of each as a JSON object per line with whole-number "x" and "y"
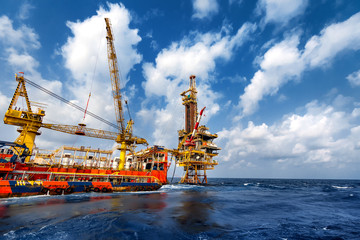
{"x": 279, "y": 78}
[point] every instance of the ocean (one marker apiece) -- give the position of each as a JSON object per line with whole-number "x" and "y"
{"x": 226, "y": 209}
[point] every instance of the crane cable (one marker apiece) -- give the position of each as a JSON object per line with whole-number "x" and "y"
{"x": 87, "y": 104}
{"x": 70, "y": 103}
{"x": 92, "y": 81}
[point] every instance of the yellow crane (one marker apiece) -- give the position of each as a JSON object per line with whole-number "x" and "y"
{"x": 28, "y": 121}
{"x": 125, "y": 136}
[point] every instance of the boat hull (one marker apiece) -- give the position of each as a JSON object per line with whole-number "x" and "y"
{"x": 11, "y": 188}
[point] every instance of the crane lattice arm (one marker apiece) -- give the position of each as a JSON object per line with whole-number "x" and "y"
{"x": 89, "y": 132}
{"x": 67, "y": 102}
{"x": 115, "y": 77}
{"x": 20, "y": 91}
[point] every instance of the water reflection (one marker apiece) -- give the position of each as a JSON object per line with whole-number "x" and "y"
{"x": 189, "y": 210}
{"x": 35, "y": 212}
{"x": 194, "y": 211}
{"x": 153, "y": 201}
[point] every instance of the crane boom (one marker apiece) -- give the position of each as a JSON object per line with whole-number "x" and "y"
{"x": 89, "y": 132}
{"x": 125, "y": 136}
{"x": 63, "y": 100}
{"x": 115, "y": 77}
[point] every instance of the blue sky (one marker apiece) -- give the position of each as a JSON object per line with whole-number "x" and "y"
{"x": 280, "y": 79}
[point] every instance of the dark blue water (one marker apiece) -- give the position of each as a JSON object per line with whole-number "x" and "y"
{"x": 227, "y": 209}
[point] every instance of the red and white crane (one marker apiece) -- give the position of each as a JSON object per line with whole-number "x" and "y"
{"x": 190, "y": 141}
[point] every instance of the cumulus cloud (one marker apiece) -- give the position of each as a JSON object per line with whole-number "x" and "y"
{"x": 333, "y": 39}
{"x": 323, "y": 135}
{"x": 24, "y": 10}
{"x": 18, "y": 45}
{"x": 205, "y": 8}
{"x": 281, "y": 11}
{"x": 24, "y": 38}
{"x": 279, "y": 65}
{"x": 85, "y": 55}
{"x": 24, "y": 61}
{"x": 354, "y": 78}
{"x": 284, "y": 61}
{"x": 168, "y": 77}
{"x": 88, "y": 43}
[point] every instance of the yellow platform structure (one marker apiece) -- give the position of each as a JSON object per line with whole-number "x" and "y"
{"x": 196, "y": 148}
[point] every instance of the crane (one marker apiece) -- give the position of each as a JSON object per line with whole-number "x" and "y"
{"x": 81, "y": 130}
{"x": 125, "y": 136}
{"x": 190, "y": 141}
{"x": 29, "y": 122}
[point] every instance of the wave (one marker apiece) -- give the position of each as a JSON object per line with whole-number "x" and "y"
{"x": 340, "y": 187}
{"x": 179, "y": 187}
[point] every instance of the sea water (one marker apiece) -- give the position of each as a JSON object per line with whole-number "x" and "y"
{"x": 226, "y": 209}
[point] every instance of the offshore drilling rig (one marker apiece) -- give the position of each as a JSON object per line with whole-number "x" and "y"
{"x": 196, "y": 148}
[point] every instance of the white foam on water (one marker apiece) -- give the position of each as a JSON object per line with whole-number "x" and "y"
{"x": 44, "y": 227}
{"x": 338, "y": 187}
{"x": 179, "y": 187}
{"x": 20, "y": 199}
{"x": 10, "y": 235}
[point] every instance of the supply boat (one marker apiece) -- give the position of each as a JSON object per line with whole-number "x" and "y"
{"x": 73, "y": 170}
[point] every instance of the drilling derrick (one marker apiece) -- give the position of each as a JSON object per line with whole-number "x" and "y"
{"x": 190, "y": 103}
{"x": 196, "y": 148}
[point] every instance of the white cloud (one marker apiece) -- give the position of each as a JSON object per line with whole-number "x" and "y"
{"x": 89, "y": 44}
{"x": 8, "y": 133}
{"x": 323, "y": 136}
{"x": 205, "y": 8}
{"x": 17, "y": 45}
{"x": 23, "y": 38}
{"x": 335, "y": 38}
{"x": 279, "y": 65}
{"x": 285, "y": 62}
{"x": 85, "y": 55}
{"x": 24, "y": 62}
{"x": 24, "y": 10}
{"x": 238, "y": 2}
{"x": 168, "y": 77}
{"x": 281, "y": 11}
{"x": 354, "y": 78}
